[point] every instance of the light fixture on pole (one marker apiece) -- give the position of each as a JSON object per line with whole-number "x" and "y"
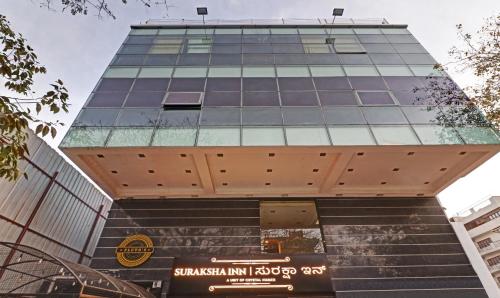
{"x": 202, "y": 11}
{"x": 336, "y": 12}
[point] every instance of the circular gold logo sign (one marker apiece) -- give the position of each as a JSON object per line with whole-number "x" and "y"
{"x": 134, "y": 250}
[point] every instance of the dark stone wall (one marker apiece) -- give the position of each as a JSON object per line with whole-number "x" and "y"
{"x": 377, "y": 247}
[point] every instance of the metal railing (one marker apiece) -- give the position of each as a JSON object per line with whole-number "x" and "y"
{"x": 494, "y": 268}
{"x": 318, "y": 21}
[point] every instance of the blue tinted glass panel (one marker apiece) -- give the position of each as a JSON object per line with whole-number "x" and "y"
{"x": 299, "y": 98}
{"x": 138, "y": 117}
{"x": 332, "y": 83}
{"x": 225, "y": 59}
{"x": 150, "y": 85}
{"x": 261, "y": 99}
{"x": 145, "y": 99}
{"x": 258, "y": 59}
{"x": 135, "y": 49}
{"x": 295, "y": 84}
{"x": 96, "y": 117}
{"x": 226, "y": 49}
{"x": 114, "y": 85}
{"x": 302, "y": 116}
{"x": 333, "y": 98}
{"x": 403, "y": 83}
{"x": 220, "y": 116}
{"x": 193, "y": 59}
{"x": 322, "y": 59}
{"x": 257, "y": 49}
{"x": 107, "y": 99}
{"x": 188, "y": 85}
{"x": 236, "y": 39}
{"x": 138, "y": 39}
{"x": 222, "y": 99}
{"x": 259, "y": 84}
{"x": 160, "y": 60}
{"x": 375, "y": 98}
{"x": 344, "y": 115}
{"x": 128, "y": 60}
{"x": 179, "y": 118}
{"x": 291, "y": 59}
{"x": 262, "y": 116}
{"x": 367, "y": 83}
{"x": 276, "y": 38}
{"x": 223, "y": 84}
{"x": 355, "y": 59}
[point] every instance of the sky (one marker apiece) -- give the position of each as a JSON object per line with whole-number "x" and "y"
{"x": 77, "y": 49}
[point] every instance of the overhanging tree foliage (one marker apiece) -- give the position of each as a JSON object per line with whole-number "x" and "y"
{"x": 18, "y": 66}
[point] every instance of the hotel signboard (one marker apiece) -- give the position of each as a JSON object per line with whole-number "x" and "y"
{"x": 290, "y": 274}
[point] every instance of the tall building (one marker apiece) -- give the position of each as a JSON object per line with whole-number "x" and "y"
{"x": 56, "y": 209}
{"x": 482, "y": 223}
{"x": 280, "y": 158}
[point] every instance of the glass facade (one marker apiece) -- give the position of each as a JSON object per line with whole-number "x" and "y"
{"x": 297, "y": 79}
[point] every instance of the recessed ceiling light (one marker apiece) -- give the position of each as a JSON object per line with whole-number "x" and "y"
{"x": 322, "y": 154}
{"x": 114, "y": 172}
{"x": 443, "y": 169}
{"x": 395, "y": 169}
{"x": 269, "y": 170}
{"x": 224, "y": 184}
{"x": 341, "y": 183}
{"x": 267, "y": 183}
{"x": 100, "y": 155}
{"x": 304, "y": 211}
{"x": 309, "y": 183}
{"x": 151, "y": 171}
{"x": 383, "y": 182}
{"x": 315, "y": 170}
{"x": 188, "y": 171}
{"x": 125, "y": 185}
{"x": 194, "y": 184}
{"x": 183, "y": 155}
{"x": 159, "y": 184}
{"x": 271, "y": 154}
{"x": 220, "y": 155}
{"x": 222, "y": 171}
{"x": 426, "y": 182}
{"x": 141, "y": 155}
{"x": 463, "y": 153}
{"x": 411, "y": 153}
{"x": 350, "y": 170}
{"x": 360, "y": 153}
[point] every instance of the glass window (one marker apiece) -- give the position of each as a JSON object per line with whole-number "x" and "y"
{"x": 322, "y": 59}
{"x": 107, "y": 99}
{"x": 379, "y": 48}
{"x": 418, "y": 59}
{"x": 435, "y": 134}
{"x": 260, "y": 39}
{"x": 344, "y": 115}
{"x": 262, "y": 116}
{"x": 178, "y": 99}
{"x": 223, "y": 84}
{"x": 145, "y": 99}
{"x": 198, "y": 48}
{"x": 342, "y": 39}
{"x": 193, "y": 59}
{"x": 334, "y": 98}
{"x": 426, "y": 70}
{"x": 130, "y": 137}
{"x": 227, "y": 30}
{"x": 351, "y": 135}
{"x": 355, "y": 59}
{"x": 287, "y": 48}
{"x": 257, "y": 49}
{"x": 172, "y": 31}
{"x": 283, "y": 31}
{"x": 215, "y": 136}
{"x": 85, "y": 137}
{"x": 227, "y": 39}
{"x": 224, "y": 72}
{"x": 156, "y": 72}
{"x": 134, "y": 49}
{"x": 150, "y": 84}
{"x": 327, "y": 71}
{"x": 187, "y": 85}
{"x": 384, "y": 115}
{"x": 422, "y": 115}
{"x": 179, "y": 118}
{"x": 219, "y": 99}
{"x": 349, "y": 48}
{"x": 118, "y": 84}
{"x": 386, "y": 59}
{"x": 302, "y": 116}
{"x": 138, "y": 117}
{"x": 285, "y": 39}
{"x": 396, "y": 70}
{"x": 299, "y": 98}
{"x": 96, "y": 117}
{"x": 409, "y": 48}
{"x": 249, "y": 71}
{"x": 258, "y": 59}
{"x": 312, "y": 31}
{"x": 311, "y": 39}
{"x": 200, "y": 31}
{"x": 190, "y": 72}
{"x": 121, "y": 72}
{"x": 299, "y": 84}
{"x": 127, "y": 60}
{"x": 411, "y": 97}
{"x": 174, "y": 137}
{"x": 261, "y": 99}
{"x": 263, "y": 136}
{"x": 138, "y": 39}
{"x": 307, "y": 136}
{"x": 259, "y": 84}
{"x": 161, "y": 60}
{"x": 403, "y": 83}
{"x": 291, "y": 59}
{"x": 226, "y": 49}
{"x": 165, "y": 49}
{"x": 339, "y": 31}
{"x": 292, "y": 71}
{"x": 394, "y": 135}
{"x": 367, "y": 39}
{"x": 478, "y": 135}
{"x": 401, "y": 38}
{"x": 220, "y": 116}
{"x": 367, "y": 31}
{"x": 367, "y": 83}
{"x": 361, "y": 71}
{"x": 332, "y": 83}
{"x": 143, "y": 31}
{"x": 225, "y": 59}
{"x": 167, "y": 40}
{"x": 199, "y": 40}
{"x": 256, "y": 31}
{"x": 395, "y": 31}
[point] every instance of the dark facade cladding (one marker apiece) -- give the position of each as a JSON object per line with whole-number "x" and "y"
{"x": 376, "y": 247}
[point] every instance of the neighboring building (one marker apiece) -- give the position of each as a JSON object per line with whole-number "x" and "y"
{"x": 268, "y": 157}
{"x": 55, "y": 210}
{"x": 482, "y": 223}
